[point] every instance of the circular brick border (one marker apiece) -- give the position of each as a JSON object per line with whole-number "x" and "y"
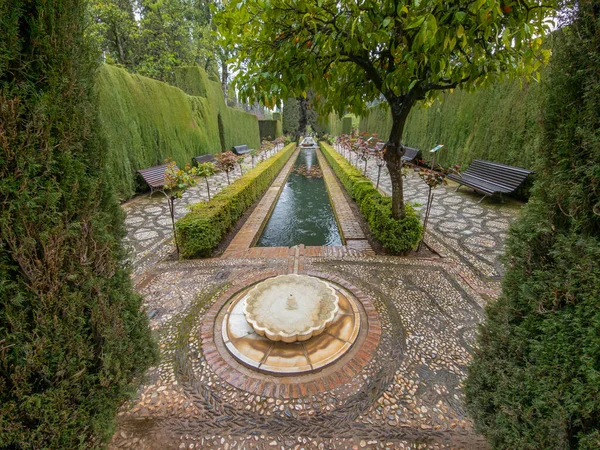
{"x": 331, "y": 377}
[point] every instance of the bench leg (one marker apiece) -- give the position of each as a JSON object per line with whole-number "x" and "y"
{"x": 456, "y": 190}
{"x": 482, "y": 199}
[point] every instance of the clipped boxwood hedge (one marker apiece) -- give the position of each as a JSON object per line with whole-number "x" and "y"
{"x": 396, "y": 236}
{"x": 201, "y": 230}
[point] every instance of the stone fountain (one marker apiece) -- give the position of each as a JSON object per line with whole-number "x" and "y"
{"x": 291, "y": 308}
{"x": 290, "y": 324}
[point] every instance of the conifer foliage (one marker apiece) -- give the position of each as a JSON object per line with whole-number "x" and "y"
{"x": 535, "y": 379}
{"x": 72, "y": 335}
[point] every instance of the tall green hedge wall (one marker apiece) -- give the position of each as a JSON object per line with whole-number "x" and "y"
{"x": 73, "y": 336}
{"x": 144, "y": 121}
{"x": 239, "y": 127}
{"x": 499, "y": 123}
{"x": 270, "y": 129}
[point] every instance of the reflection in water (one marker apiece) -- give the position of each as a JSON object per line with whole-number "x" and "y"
{"x": 303, "y": 213}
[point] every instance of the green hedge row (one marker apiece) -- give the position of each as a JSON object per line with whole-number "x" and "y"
{"x": 200, "y": 231}
{"x": 269, "y": 129}
{"x": 236, "y": 127}
{"x": 144, "y": 121}
{"x": 396, "y": 236}
{"x": 500, "y": 123}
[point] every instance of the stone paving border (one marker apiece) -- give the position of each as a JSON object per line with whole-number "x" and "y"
{"x": 355, "y": 240}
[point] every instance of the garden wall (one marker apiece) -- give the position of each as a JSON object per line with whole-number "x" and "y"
{"x": 143, "y": 121}
{"x": 269, "y": 129}
{"x": 499, "y": 123}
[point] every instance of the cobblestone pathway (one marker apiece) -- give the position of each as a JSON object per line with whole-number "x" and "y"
{"x": 472, "y": 233}
{"x": 405, "y": 394}
{"x": 148, "y": 223}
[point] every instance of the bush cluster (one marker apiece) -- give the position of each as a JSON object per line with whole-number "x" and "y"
{"x": 535, "y": 378}
{"x": 73, "y": 336}
{"x": 397, "y": 236}
{"x": 200, "y": 231}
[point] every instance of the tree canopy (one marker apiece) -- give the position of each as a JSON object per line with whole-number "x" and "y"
{"x": 352, "y": 53}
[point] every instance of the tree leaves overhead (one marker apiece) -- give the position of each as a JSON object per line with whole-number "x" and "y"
{"x": 352, "y": 52}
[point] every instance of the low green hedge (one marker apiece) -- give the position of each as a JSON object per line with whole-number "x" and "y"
{"x": 200, "y": 231}
{"x": 396, "y": 236}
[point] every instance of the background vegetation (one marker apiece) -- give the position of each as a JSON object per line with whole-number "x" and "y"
{"x": 535, "y": 378}
{"x": 144, "y": 121}
{"x": 270, "y": 129}
{"x": 498, "y": 123}
{"x": 72, "y": 334}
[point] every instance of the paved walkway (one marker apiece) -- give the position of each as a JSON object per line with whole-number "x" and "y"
{"x": 471, "y": 233}
{"x": 148, "y": 222}
{"x": 405, "y": 394}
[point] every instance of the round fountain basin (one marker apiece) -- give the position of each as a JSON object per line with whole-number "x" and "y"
{"x": 290, "y": 308}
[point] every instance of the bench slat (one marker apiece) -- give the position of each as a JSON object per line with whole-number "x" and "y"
{"x": 491, "y": 178}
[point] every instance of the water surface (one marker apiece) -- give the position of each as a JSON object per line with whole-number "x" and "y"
{"x": 303, "y": 213}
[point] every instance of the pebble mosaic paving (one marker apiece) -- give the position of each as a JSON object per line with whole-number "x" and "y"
{"x": 399, "y": 386}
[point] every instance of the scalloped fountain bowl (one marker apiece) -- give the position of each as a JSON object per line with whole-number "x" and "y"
{"x": 290, "y": 308}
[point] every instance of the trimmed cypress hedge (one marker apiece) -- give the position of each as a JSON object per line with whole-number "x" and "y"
{"x": 396, "y": 236}
{"x": 73, "y": 337}
{"x": 200, "y": 231}
{"x": 239, "y": 127}
{"x": 534, "y": 382}
{"x": 144, "y": 121}
{"x": 269, "y": 129}
{"x": 500, "y": 123}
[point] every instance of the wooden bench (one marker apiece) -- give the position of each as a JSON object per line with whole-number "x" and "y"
{"x": 240, "y": 149}
{"x": 154, "y": 177}
{"x": 410, "y": 154}
{"x": 197, "y": 160}
{"x": 491, "y": 178}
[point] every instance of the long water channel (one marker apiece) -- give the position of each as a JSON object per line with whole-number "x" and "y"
{"x": 303, "y": 213}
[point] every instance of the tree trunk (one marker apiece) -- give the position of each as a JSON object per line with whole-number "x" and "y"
{"x": 394, "y": 150}
{"x": 224, "y": 79}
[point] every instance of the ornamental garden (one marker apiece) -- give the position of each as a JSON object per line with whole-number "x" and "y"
{"x": 299, "y": 225}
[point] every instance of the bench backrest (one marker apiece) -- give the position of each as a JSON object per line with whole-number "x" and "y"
{"x": 508, "y": 176}
{"x": 410, "y": 153}
{"x": 204, "y": 158}
{"x": 154, "y": 176}
{"x": 239, "y": 149}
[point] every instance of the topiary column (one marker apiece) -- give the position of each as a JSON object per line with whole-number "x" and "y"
{"x": 73, "y": 336}
{"x": 535, "y": 379}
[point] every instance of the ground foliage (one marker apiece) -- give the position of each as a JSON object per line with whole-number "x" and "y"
{"x": 72, "y": 335}
{"x": 535, "y": 379}
{"x": 473, "y": 125}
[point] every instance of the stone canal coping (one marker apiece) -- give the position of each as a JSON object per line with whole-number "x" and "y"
{"x": 355, "y": 241}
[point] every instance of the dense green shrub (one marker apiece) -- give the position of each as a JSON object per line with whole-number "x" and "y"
{"x": 397, "y": 236}
{"x": 239, "y": 127}
{"x": 72, "y": 335}
{"x": 347, "y": 125}
{"x": 144, "y": 121}
{"x": 499, "y": 123}
{"x": 200, "y": 231}
{"x": 269, "y": 129}
{"x": 534, "y": 382}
